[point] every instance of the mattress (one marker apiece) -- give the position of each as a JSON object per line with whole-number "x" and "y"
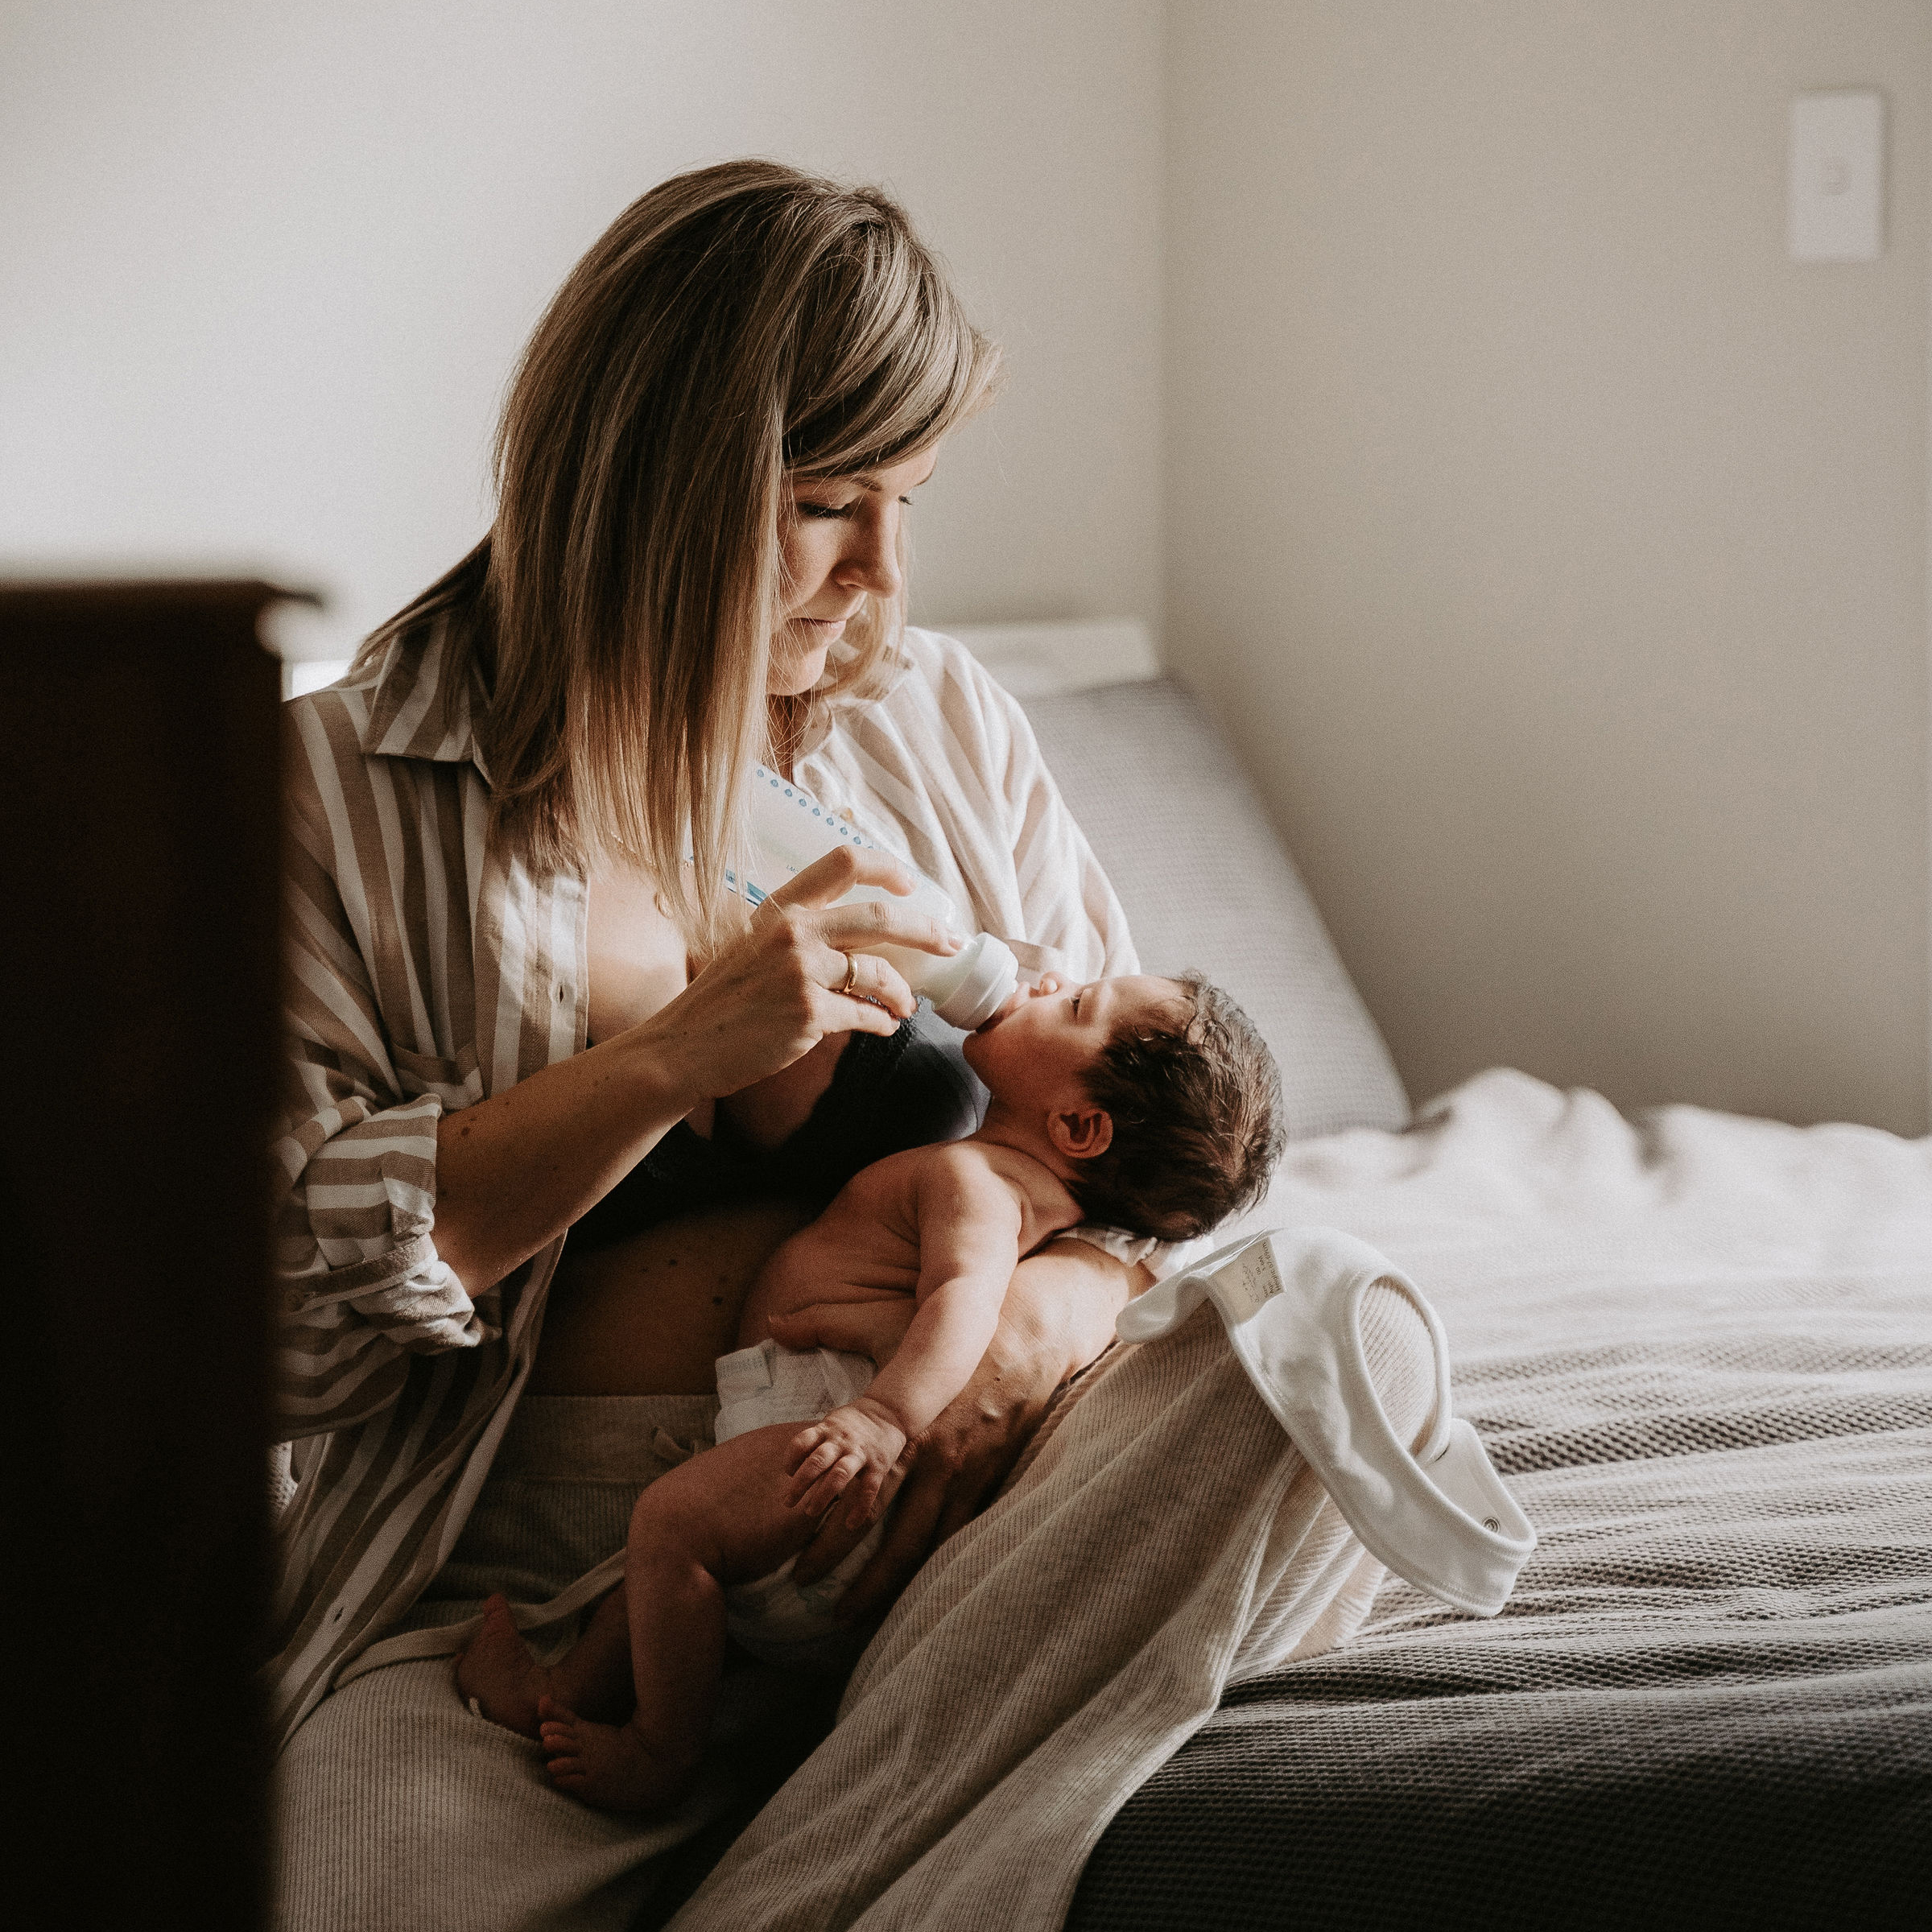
{"x": 1700, "y": 1348}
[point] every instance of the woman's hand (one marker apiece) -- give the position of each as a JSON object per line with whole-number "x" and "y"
{"x": 1059, "y": 1316}
{"x": 516, "y": 1169}
{"x": 798, "y": 973}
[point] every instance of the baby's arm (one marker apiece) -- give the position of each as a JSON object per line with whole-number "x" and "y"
{"x": 969, "y": 1225}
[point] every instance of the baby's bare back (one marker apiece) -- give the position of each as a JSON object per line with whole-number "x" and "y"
{"x": 865, "y": 1246}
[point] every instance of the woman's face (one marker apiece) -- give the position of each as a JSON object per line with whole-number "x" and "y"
{"x": 841, "y": 539}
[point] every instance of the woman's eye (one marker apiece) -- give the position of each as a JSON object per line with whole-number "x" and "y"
{"x": 824, "y": 510}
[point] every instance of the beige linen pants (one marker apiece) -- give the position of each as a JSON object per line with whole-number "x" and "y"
{"x": 1161, "y": 1539}
{"x": 396, "y": 1808}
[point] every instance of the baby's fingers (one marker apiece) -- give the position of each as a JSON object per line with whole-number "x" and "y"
{"x": 864, "y": 1496}
{"x": 831, "y": 1486}
{"x": 801, "y": 1445}
{"x": 815, "y": 1470}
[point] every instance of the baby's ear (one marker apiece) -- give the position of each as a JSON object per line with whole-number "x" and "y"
{"x": 1080, "y": 1133}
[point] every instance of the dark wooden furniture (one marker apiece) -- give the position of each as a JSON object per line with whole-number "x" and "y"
{"x": 138, "y": 729}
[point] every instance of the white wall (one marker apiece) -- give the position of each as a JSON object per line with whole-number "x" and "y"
{"x": 266, "y": 267}
{"x": 1554, "y": 547}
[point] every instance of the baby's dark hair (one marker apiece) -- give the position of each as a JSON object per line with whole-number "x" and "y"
{"x": 1196, "y": 1113}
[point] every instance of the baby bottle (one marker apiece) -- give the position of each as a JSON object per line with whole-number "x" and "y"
{"x": 790, "y": 829}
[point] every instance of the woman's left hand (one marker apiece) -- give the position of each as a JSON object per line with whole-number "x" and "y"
{"x": 1058, "y": 1315}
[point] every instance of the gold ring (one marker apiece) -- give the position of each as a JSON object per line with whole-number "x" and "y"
{"x": 851, "y": 974}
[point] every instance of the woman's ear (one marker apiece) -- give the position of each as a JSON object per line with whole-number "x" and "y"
{"x": 1080, "y": 1133}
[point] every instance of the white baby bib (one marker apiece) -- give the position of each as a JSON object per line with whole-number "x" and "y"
{"x": 1291, "y": 1302}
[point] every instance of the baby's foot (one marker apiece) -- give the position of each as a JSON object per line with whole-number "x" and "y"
{"x": 610, "y": 1765}
{"x": 497, "y": 1675}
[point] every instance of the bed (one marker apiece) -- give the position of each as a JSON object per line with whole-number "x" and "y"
{"x": 1700, "y": 1348}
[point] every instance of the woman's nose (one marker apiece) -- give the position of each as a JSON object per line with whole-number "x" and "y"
{"x": 871, "y": 562}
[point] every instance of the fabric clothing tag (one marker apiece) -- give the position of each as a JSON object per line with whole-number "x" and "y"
{"x": 1248, "y": 1282}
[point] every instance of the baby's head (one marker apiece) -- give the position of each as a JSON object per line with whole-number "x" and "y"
{"x": 1162, "y": 1101}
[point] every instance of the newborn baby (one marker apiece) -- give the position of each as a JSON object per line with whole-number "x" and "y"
{"x": 1139, "y": 1103}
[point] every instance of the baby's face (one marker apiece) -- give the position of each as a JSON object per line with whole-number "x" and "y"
{"x": 1047, "y": 1036}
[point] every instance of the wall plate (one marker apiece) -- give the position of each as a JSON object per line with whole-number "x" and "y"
{"x": 1837, "y": 176}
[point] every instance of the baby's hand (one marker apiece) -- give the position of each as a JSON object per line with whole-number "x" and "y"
{"x": 854, "y": 1447}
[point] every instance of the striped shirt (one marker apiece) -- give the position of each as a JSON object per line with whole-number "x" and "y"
{"x": 428, "y": 969}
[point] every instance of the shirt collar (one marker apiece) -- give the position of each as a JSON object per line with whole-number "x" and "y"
{"x": 417, "y": 709}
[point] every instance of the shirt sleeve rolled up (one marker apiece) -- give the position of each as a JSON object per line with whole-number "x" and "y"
{"x": 361, "y": 1288}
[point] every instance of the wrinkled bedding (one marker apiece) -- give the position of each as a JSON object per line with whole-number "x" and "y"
{"x": 1700, "y": 1348}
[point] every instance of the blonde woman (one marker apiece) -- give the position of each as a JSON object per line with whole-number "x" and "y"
{"x": 521, "y": 995}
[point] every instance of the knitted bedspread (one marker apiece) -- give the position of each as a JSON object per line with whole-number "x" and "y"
{"x": 1700, "y": 1347}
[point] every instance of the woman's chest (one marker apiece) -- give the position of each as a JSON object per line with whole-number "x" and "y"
{"x": 637, "y": 955}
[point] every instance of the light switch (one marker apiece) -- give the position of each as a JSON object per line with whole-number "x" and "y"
{"x": 1837, "y": 178}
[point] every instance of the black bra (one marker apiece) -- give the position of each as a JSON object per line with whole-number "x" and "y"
{"x": 889, "y": 1091}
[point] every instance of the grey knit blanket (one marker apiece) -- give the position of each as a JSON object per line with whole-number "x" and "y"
{"x": 1701, "y": 1348}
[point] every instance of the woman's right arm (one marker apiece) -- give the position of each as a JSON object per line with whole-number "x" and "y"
{"x": 402, "y": 1214}
{"x": 515, "y": 1170}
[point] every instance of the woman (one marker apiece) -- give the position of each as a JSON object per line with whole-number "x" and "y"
{"x": 517, "y": 967}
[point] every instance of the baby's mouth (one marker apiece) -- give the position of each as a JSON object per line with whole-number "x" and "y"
{"x": 1020, "y": 996}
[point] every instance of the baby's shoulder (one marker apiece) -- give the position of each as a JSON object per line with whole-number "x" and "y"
{"x": 968, "y": 1160}
{"x": 984, "y": 1170}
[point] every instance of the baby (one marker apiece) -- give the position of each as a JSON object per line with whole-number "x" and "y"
{"x": 1145, "y": 1104}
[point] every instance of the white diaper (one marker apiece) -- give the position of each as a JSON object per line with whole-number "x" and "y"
{"x": 775, "y": 1618}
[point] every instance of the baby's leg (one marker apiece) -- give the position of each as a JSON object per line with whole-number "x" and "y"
{"x": 717, "y": 1520}
{"x": 499, "y": 1677}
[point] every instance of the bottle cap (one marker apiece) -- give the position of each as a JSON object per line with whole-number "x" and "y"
{"x": 991, "y": 975}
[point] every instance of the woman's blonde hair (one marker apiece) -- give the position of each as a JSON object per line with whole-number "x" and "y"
{"x": 734, "y": 324}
